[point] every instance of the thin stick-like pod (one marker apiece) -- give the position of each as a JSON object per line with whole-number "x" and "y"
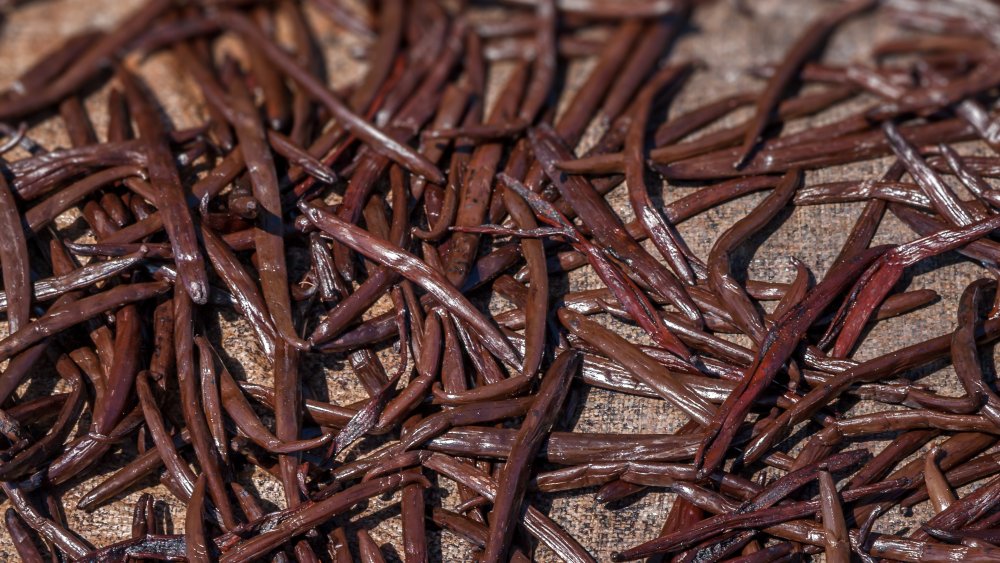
{"x": 210, "y": 397}
{"x": 536, "y": 309}
{"x": 169, "y": 190}
{"x": 248, "y": 298}
{"x": 375, "y": 138}
{"x": 180, "y": 472}
{"x": 606, "y": 226}
{"x": 938, "y": 489}
{"x": 21, "y": 538}
{"x": 193, "y": 413}
{"x": 269, "y": 232}
{"x": 543, "y": 70}
{"x": 663, "y": 235}
{"x": 416, "y": 271}
{"x": 513, "y": 480}
{"x": 810, "y": 39}
{"x": 731, "y": 294}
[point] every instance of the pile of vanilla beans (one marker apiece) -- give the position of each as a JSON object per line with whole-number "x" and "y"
{"x": 375, "y": 222}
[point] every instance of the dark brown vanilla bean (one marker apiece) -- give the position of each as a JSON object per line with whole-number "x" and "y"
{"x": 477, "y": 187}
{"x": 913, "y": 355}
{"x": 607, "y": 227}
{"x": 193, "y": 413}
{"x": 390, "y": 27}
{"x": 194, "y": 530}
{"x": 14, "y": 260}
{"x": 663, "y": 235}
{"x": 170, "y": 192}
{"x": 268, "y": 235}
{"x": 362, "y": 129}
{"x": 512, "y": 482}
{"x": 775, "y": 349}
{"x": 430, "y": 191}
{"x": 416, "y": 271}
{"x": 732, "y": 296}
{"x": 536, "y": 306}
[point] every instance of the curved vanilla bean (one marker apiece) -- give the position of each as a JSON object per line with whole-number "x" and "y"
{"x": 416, "y": 271}
{"x": 808, "y": 42}
{"x": 248, "y": 298}
{"x": 670, "y": 151}
{"x": 187, "y": 380}
{"x": 965, "y": 356}
{"x": 663, "y": 234}
{"x": 383, "y": 54}
{"x": 758, "y": 518}
{"x": 543, "y": 70}
{"x": 937, "y": 486}
{"x": 808, "y": 155}
{"x": 136, "y": 470}
{"x": 178, "y": 468}
{"x": 734, "y": 297}
{"x": 21, "y": 538}
{"x": 776, "y": 348}
{"x": 536, "y": 309}
{"x": 299, "y": 156}
{"x": 246, "y": 420}
{"x": 210, "y": 397}
{"x": 197, "y": 550}
{"x": 513, "y": 478}
{"x": 66, "y": 541}
{"x": 838, "y": 544}
{"x": 606, "y": 226}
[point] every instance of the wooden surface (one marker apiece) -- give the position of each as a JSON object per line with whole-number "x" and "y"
{"x": 729, "y": 44}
